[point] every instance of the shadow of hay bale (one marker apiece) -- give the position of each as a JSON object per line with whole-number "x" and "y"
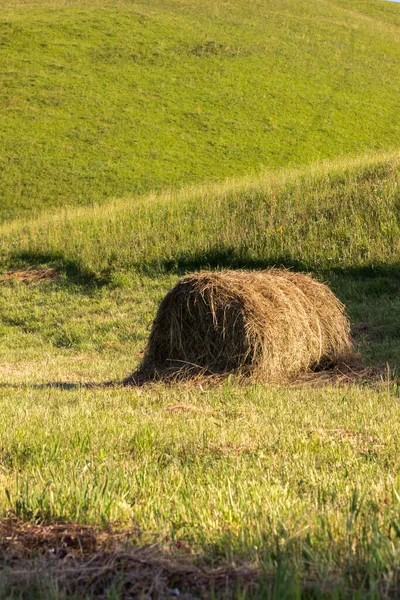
{"x": 271, "y": 325}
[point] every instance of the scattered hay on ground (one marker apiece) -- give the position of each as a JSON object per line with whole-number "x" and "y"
{"x": 351, "y": 372}
{"x": 272, "y": 325}
{"x": 86, "y": 562}
{"x": 29, "y": 275}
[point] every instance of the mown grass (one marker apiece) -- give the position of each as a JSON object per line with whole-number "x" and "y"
{"x": 135, "y": 101}
{"x": 301, "y": 483}
{"x": 103, "y": 99}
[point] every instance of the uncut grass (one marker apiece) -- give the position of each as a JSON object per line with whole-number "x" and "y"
{"x": 101, "y": 100}
{"x": 340, "y": 215}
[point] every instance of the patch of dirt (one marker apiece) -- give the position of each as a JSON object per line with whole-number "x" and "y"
{"x": 83, "y": 561}
{"x": 30, "y": 275}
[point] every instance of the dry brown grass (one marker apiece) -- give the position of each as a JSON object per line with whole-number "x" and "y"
{"x": 87, "y": 562}
{"x": 29, "y": 275}
{"x": 271, "y": 325}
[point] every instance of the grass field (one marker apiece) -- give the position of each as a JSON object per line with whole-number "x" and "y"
{"x": 299, "y": 485}
{"x": 102, "y": 99}
{"x": 141, "y": 141}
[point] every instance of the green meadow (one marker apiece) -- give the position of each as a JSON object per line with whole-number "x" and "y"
{"x": 143, "y": 140}
{"x": 103, "y": 99}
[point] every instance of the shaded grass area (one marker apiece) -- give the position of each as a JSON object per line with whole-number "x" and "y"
{"x": 70, "y": 270}
{"x": 100, "y": 100}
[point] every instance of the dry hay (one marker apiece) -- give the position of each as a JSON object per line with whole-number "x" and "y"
{"x": 29, "y": 275}
{"x": 84, "y": 562}
{"x": 273, "y": 325}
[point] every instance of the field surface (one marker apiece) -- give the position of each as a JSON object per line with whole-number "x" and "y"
{"x": 101, "y": 99}
{"x": 143, "y": 140}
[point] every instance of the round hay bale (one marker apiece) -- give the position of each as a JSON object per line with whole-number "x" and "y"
{"x": 273, "y": 325}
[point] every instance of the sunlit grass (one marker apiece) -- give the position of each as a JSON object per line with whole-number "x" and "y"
{"x": 103, "y": 99}
{"x": 340, "y": 215}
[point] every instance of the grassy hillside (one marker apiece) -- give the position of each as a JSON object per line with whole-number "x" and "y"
{"x": 339, "y": 216}
{"x": 298, "y": 485}
{"x": 102, "y": 99}
{"x": 141, "y": 140}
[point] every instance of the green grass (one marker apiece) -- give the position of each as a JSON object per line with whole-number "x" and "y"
{"x": 142, "y": 140}
{"x": 301, "y": 483}
{"x": 268, "y": 476}
{"x": 233, "y": 473}
{"x": 102, "y": 99}
{"x": 336, "y": 216}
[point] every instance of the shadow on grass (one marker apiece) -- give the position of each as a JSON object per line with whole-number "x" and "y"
{"x": 72, "y": 269}
{"x": 228, "y": 258}
{"x": 232, "y": 258}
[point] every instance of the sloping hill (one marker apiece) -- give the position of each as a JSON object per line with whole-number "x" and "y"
{"x": 299, "y": 483}
{"x": 103, "y": 99}
{"x": 331, "y": 216}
